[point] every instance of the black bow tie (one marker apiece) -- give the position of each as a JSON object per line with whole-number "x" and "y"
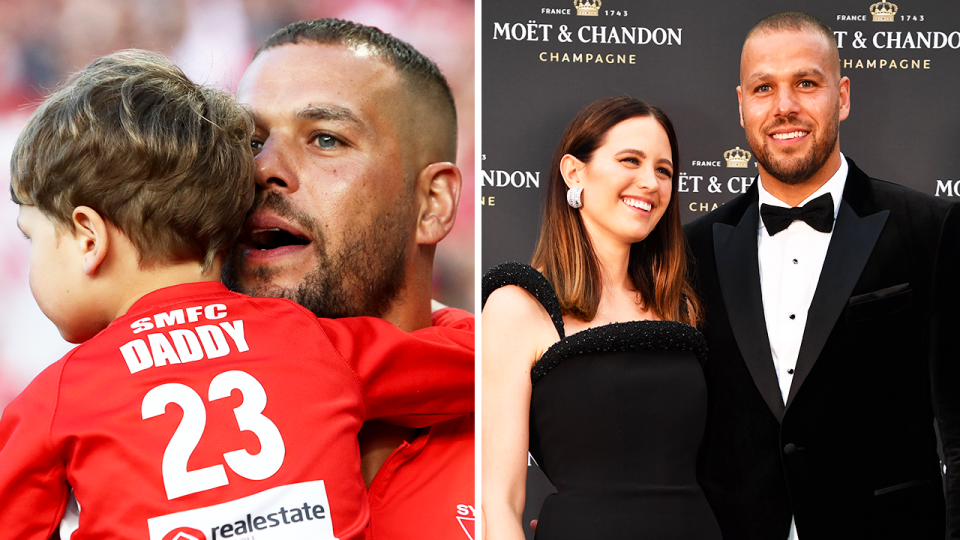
{"x": 817, "y": 213}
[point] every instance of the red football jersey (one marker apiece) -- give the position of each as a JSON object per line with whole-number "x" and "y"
{"x": 425, "y": 489}
{"x": 204, "y": 414}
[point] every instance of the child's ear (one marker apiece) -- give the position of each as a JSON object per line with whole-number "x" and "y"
{"x": 90, "y": 232}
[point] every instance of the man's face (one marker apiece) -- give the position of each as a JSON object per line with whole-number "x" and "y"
{"x": 335, "y": 211}
{"x": 792, "y": 100}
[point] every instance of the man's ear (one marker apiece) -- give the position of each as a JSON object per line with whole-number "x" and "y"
{"x": 740, "y": 105}
{"x": 438, "y": 191}
{"x": 844, "y": 91}
{"x": 92, "y": 238}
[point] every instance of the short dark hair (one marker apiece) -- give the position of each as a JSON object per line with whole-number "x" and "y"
{"x": 165, "y": 160}
{"x": 794, "y": 21}
{"x": 418, "y": 70}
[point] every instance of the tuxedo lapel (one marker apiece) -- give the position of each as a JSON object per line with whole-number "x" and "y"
{"x": 735, "y": 249}
{"x": 850, "y": 247}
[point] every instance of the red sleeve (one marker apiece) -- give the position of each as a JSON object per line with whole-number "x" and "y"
{"x": 33, "y": 484}
{"x": 411, "y": 379}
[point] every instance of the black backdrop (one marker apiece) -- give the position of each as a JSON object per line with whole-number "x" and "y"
{"x": 542, "y": 62}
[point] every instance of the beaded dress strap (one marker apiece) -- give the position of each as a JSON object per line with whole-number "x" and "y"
{"x": 623, "y": 337}
{"x": 532, "y": 281}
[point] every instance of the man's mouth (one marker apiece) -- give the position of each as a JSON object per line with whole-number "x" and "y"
{"x": 273, "y": 238}
{"x": 790, "y": 135}
{"x": 267, "y": 235}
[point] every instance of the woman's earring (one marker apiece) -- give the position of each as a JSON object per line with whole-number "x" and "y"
{"x": 573, "y": 196}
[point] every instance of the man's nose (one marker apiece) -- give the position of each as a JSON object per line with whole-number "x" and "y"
{"x": 273, "y": 169}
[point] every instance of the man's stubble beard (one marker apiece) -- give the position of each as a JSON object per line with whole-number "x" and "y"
{"x": 789, "y": 169}
{"x": 364, "y": 277}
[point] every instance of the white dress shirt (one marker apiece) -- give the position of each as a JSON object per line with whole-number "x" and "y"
{"x": 790, "y": 264}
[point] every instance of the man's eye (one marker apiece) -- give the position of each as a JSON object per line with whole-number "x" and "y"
{"x": 256, "y": 145}
{"x": 763, "y": 88}
{"x": 326, "y": 141}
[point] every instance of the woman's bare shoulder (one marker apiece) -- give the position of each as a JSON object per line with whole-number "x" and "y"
{"x": 513, "y": 316}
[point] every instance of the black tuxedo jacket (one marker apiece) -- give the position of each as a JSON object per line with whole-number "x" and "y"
{"x": 853, "y": 452}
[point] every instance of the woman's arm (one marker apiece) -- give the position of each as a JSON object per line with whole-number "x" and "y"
{"x": 515, "y": 329}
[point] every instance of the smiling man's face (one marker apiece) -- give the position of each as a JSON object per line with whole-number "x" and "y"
{"x": 792, "y": 100}
{"x": 335, "y": 213}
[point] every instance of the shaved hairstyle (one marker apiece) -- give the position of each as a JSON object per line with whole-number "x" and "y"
{"x": 792, "y": 21}
{"x": 422, "y": 76}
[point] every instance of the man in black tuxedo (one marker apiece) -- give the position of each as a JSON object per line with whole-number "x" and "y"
{"x": 833, "y": 330}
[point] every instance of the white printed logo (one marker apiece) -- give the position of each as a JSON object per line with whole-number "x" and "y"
{"x": 466, "y": 517}
{"x": 293, "y": 512}
{"x": 185, "y": 533}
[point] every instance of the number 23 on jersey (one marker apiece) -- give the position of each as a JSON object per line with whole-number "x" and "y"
{"x": 177, "y": 480}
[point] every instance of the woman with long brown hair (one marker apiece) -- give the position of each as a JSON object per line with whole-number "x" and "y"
{"x": 590, "y": 356}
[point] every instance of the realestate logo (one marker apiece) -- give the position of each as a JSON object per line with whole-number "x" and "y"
{"x": 291, "y": 512}
{"x": 185, "y": 533}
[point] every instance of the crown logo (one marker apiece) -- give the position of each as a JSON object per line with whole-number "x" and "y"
{"x": 737, "y": 158}
{"x": 587, "y": 8}
{"x": 883, "y": 11}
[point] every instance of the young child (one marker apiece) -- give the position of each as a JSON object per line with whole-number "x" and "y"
{"x": 188, "y": 411}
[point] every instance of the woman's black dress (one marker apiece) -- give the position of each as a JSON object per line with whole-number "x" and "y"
{"x": 616, "y": 419}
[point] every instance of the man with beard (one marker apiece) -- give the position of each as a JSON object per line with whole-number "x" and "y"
{"x": 831, "y": 317}
{"x": 355, "y": 141}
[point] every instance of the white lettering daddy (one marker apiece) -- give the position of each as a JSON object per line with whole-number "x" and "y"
{"x": 184, "y": 345}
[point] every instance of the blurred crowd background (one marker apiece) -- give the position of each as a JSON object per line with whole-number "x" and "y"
{"x": 43, "y": 41}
